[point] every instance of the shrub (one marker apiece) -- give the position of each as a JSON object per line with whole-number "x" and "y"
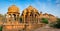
{"x": 1, "y": 28}
{"x": 44, "y": 20}
{"x": 56, "y": 24}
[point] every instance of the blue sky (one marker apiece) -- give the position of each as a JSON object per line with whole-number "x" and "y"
{"x": 46, "y": 6}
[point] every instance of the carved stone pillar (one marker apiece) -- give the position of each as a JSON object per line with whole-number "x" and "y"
{"x": 38, "y": 21}
{"x": 16, "y": 17}
{"x": 24, "y": 18}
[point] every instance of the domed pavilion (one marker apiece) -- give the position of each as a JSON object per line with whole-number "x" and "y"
{"x": 30, "y": 14}
{"x": 13, "y": 11}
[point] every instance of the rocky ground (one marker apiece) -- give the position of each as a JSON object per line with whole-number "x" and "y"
{"x": 46, "y": 28}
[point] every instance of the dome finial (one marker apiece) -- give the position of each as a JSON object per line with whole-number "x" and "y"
{"x": 41, "y": 12}
{"x": 30, "y": 5}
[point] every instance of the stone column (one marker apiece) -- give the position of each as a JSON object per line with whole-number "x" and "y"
{"x": 16, "y": 17}
{"x": 11, "y": 18}
{"x": 29, "y": 17}
{"x": 38, "y": 20}
{"x": 7, "y": 17}
{"x": 24, "y": 19}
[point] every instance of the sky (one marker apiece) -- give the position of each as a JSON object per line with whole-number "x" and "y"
{"x": 44, "y": 6}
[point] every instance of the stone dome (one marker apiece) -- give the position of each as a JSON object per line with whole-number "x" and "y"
{"x": 30, "y": 9}
{"x": 13, "y": 8}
